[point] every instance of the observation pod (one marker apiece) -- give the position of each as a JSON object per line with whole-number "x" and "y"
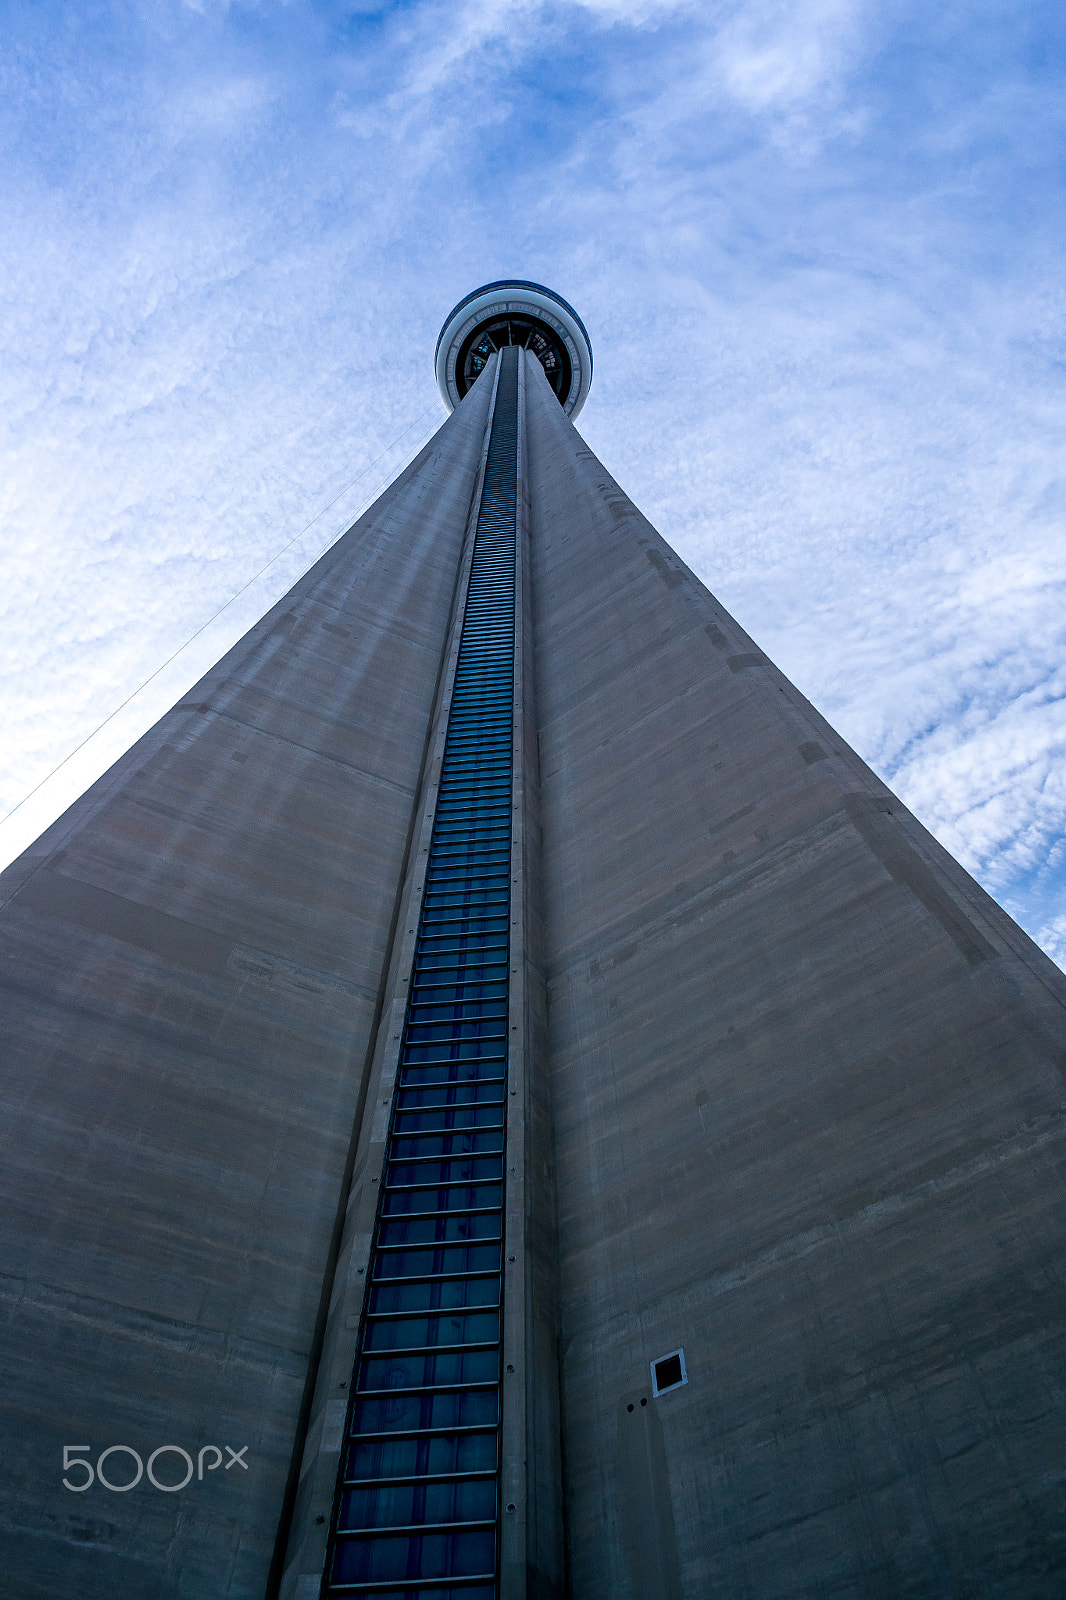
{"x": 514, "y": 312}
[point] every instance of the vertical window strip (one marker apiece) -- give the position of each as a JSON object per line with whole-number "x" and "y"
{"x": 416, "y": 1514}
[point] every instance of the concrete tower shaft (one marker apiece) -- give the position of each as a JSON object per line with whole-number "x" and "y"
{"x": 494, "y": 1052}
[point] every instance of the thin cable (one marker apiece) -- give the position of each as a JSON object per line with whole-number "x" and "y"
{"x": 225, "y": 606}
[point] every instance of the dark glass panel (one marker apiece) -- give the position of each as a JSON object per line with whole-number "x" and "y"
{"x": 481, "y": 900}
{"x": 478, "y": 835}
{"x": 491, "y": 1027}
{"x": 464, "y": 1054}
{"x": 404, "y": 1413}
{"x": 405, "y": 1458}
{"x": 440, "y": 1229}
{"x": 456, "y": 985}
{"x": 482, "y": 1024}
{"x": 444, "y": 924}
{"x": 415, "y": 1333}
{"x": 482, "y": 833}
{"x": 470, "y": 788}
{"x": 491, "y": 760}
{"x": 465, "y": 810}
{"x": 463, "y": 1592}
{"x": 442, "y": 1296}
{"x": 472, "y": 860}
{"x": 433, "y": 1555}
{"x": 455, "y": 1013}
{"x": 460, "y": 987}
{"x": 475, "y": 789}
{"x": 433, "y": 1592}
{"x": 480, "y": 909}
{"x": 463, "y": 1169}
{"x": 471, "y": 853}
{"x": 438, "y": 1370}
{"x": 446, "y": 1118}
{"x": 479, "y": 951}
{"x": 475, "y": 740}
{"x": 418, "y": 1202}
{"x": 452, "y": 875}
{"x": 475, "y": 690}
{"x": 470, "y": 835}
{"x": 472, "y": 847}
{"x": 467, "y": 1010}
{"x": 491, "y": 832}
{"x": 472, "y": 705}
{"x": 476, "y": 831}
{"x": 470, "y": 1062}
{"x": 480, "y": 685}
{"x": 439, "y": 922}
{"x": 470, "y": 1141}
{"x": 479, "y": 871}
{"x": 490, "y": 791}
{"x": 438, "y": 1008}
{"x": 478, "y": 1039}
{"x": 455, "y": 880}
{"x": 477, "y": 1060}
{"x": 484, "y": 769}
{"x": 471, "y": 714}
{"x": 442, "y": 1095}
{"x": 406, "y": 1505}
{"x": 419, "y": 1263}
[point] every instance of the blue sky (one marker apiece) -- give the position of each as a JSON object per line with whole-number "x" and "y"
{"x": 819, "y": 249}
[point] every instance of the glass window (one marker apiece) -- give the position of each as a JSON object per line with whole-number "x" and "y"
{"x": 440, "y": 1229}
{"x": 443, "y": 1295}
{"x": 414, "y": 1413}
{"x": 469, "y": 1141}
{"x": 445, "y": 1369}
{"x": 408, "y": 1504}
{"x": 420, "y": 1263}
{"x": 435, "y": 1555}
{"x": 436, "y": 1453}
{"x": 464, "y": 1169}
{"x": 403, "y": 1202}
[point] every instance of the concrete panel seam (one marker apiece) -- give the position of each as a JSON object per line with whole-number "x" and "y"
{"x": 873, "y": 818}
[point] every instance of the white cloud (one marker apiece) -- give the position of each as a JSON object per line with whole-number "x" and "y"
{"x": 777, "y": 55}
{"x": 636, "y": 13}
{"x": 216, "y": 107}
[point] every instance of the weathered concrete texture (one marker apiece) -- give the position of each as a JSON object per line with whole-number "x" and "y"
{"x": 192, "y": 960}
{"x": 808, "y": 1102}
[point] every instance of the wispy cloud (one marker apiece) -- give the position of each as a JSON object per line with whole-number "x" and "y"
{"x": 774, "y": 55}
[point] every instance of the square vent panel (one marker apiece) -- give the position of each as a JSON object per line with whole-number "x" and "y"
{"x": 668, "y": 1372}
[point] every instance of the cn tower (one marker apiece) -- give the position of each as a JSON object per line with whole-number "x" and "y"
{"x": 501, "y": 1103}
